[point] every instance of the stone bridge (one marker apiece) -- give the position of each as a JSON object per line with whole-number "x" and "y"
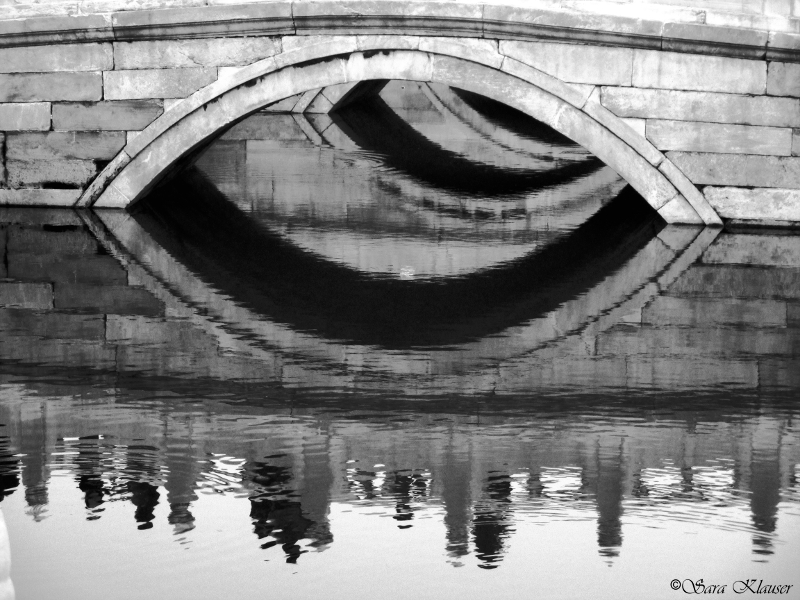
{"x": 697, "y": 109}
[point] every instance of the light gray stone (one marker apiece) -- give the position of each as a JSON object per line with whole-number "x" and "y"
{"x": 99, "y": 183}
{"x": 321, "y": 104}
{"x": 156, "y": 83}
{"x": 574, "y": 63}
{"x": 678, "y": 210}
{"x": 783, "y": 79}
{"x": 691, "y": 193}
{"x": 394, "y": 42}
{"x": 215, "y": 52}
{"x": 59, "y": 145}
{"x": 50, "y": 29}
{"x": 738, "y": 170}
{"x": 576, "y": 94}
{"x": 115, "y": 115}
{"x": 728, "y": 41}
{"x": 755, "y": 203}
{"x": 480, "y": 51}
{"x": 757, "y": 250}
{"x": 44, "y": 87}
{"x": 707, "y": 107}
{"x": 34, "y": 116}
{"x": 719, "y": 137}
{"x": 266, "y": 127}
{"x": 671, "y": 70}
{"x": 305, "y": 101}
{"x": 57, "y": 57}
{"x": 26, "y": 295}
{"x": 796, "y": 142}
{"x": 75, "y": 173}
{"x": 39, "y": 197}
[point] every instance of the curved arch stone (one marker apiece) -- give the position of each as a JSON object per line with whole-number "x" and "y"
{"x": 240, "y": 92}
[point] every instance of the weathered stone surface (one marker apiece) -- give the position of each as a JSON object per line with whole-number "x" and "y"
{"x": 39, "y": 216}
{"x": 39, "y": 197}
{"x": 575, "y": 94}
{"x": 574, "y": 63}
{"x": 107, "y": 299}
{"x": 215, "y": 52}
{"x": 51, "y": 29}
{"x": 480, "y": 51}
{"x": 793, "y": 314}
{"x": 727, "y": 41}
{"x": 691, "y": 193}
{"x": 34, "y": 350}
{"x": 32, "y": 240}
{"x": 156, "y": 83}
{"x": 92, "y": 269}
{"x": 99, "y": 183}
{"x": 58, "y": 57}
{"x": 783, "y": 45}
{"x": 400, "y": 64}
{"x": 796, "y": 142}
{"x": 738, "y": 170}
{"x": 638, "y": 125}
{"x": 61, "y": 145}
{"x": 678, "y": 210}
{"x": 678, "y": 373}
{"x": 719, "y": 137}
{"x": 267, "y": 127}
{"x": 140, "y": 330}
{"x": 707, "y": 107}
{"x": 783, "y": 79}
{"x": 33, "y": 116}
{"x": 395, "y": 42}
{"x": 26, "y": 295}
{"x": 763, "y": 250}
{"x": 670, "y": 70}
{"x": 74, "y": 173}
{"x": 321, "y": 104}
{"x": 44, "y": 87}
{"x": 721, "y": 281}
{"x": 305, "y": 101}
{"x": 755, "y": 203}
{"x": 699, "y": 312}
{"x": 51, "y": 325}
{"x": 129, "y": 115}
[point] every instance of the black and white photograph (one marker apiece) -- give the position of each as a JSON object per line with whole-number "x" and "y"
{"x": 419, "y": 299}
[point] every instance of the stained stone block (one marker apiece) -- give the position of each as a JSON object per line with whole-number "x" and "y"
{"x": 51, "y": 325}
{"x": 57, "y": 57}
{"x": 36, "y": 197}
{"x": 26, "y": 295}
{"x": 573, "y": 62}
{"x": 74, "y": 173}
{"x": 60, "y": 145}
{"x": 761, "y": 250}
{"x": 129, "y": 115}
{"x": 107, "y": 299}
{"x": 698, "y": 312}
{"x": 93, "y": 269}
{"x": 670, "y": 70}
{"x": 719, "y": 137}
{"x": 34, "y": 116}
{"x": 738, "y": 170}
{"x": 214, "y": 52}
{"x": 156, "y": 83}
{"x": 783, "y": 79}
{"x": 706, "y": 107}
{"x": 43, "y": 87}
{"x": 753, "y": 203}
{"x": 33, "y": 240}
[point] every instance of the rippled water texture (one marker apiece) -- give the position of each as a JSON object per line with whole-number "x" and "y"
{"x": 422, "y": 347}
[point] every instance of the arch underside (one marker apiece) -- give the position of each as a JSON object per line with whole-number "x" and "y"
{"x": 569, "y": 109}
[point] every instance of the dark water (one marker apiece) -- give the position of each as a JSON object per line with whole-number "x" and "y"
{"x": 419, "y": 348}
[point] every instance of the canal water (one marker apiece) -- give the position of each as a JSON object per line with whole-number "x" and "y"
{"x": 422, "y": 347}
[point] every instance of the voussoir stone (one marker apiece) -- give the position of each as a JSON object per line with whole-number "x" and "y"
{"x": 709, "y": 107}
{"x": 214, "y": 52}
{"x": 44, "y": 87}
{"x": 719, "y": 137}
{"x": 57, "y": 57}
{"x": 156, "y": 83}
{"x": 33, "y": 116}
{"x": 114, "y": 115}
{"x": 672, "y": 70}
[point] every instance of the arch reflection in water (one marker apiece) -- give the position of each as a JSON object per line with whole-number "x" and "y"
{"x": 592, "y": 390}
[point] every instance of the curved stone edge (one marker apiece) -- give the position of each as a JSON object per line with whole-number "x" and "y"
{"x": 666, "y": 31}
{"x": 557, "y": 104}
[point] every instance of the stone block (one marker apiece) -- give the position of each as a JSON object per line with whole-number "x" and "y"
{"x": 51, "y": 29}
{"x": 574, "y": 63}
{"x": 678, "y": 210}
{"x": 51, "y": 325}
{"x": 36, "y": 241}
{"x": 26, "y": 295}
{"x": 99, "y": 269}
{"x": 783, "y": 45}
{"x": 793, "y": 314}
{"x": 675, "y": 71}
{"x": 107, "y": 299}
{"x": 140, "y": 330}
{"x": 772, "y": 204}
{"x": 400, "y": 64}
{"x": 50, "y": 173}
{"x": 719, "y": 137}
{"x": 778, "y": 374}
{"x": 39, "y": 216}
{"x": 61, "y": 145}
{"x": 57, "y": 57}
{"x": 638, "y": 125}
{"x": 214, "y": 52}
{"x": 118, "y": 115}
{"x": 34, "y": 116}
{"x": 393, "y": 42}
{"x": 691, "y": 193}
{"x": 706, "y": 107}
{"x": 738, "y": 170}
{"x": 74, "y": 353}
{"x": 156, "y": 83}
{"x": 701, "y": 312}
{"x": 44, "y": 87}
{"x": 576, "y": 94}
{"x": 479, "y": 51}
{"x": 731, "y": 281}
{"x": 99, "y": 183}
{"x": 35, "y": 197}
{"x": 759, "y": 250}
{"x": 689, "y": 374}
{"x": 783, "y": 79}
{"x": 796, "y": 142}
{"x": 305, "y": 101}
{"x": 266, "y": 127}
{"x": 726, "y": 41}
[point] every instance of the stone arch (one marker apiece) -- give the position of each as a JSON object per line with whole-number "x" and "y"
{"x": 572, "y": 110}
